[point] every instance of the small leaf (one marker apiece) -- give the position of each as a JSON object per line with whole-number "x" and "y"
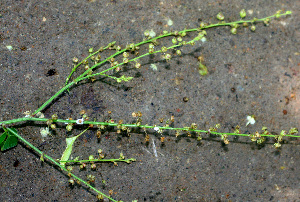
{"x": 8, "y": 139}
{"x": 3, "y": 137}
{"x": 10, "y": 142}
{"x": 67, "y": 153}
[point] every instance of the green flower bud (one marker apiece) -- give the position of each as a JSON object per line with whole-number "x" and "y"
{"x": 233, "y": 30}
{"x": 75, "y": 60}
{"x": 168, "y": 56}
{"x": 174, "y": 40}
{"x": 178, "y": 52}
{"x": 164, "y": 49}
{"x": 54, "y": 117}
{"x": 220, "y": 16}
{"x": 151, "y": 45}
{"x": 243, "y": 13}
{"x": 183, "y": 34}
{"x": 69, "y": 127}
{"x": 147, "y": 33}
{"x": 125, "y": 55}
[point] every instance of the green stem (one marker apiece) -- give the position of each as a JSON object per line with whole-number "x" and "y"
{"x": 99, "y": 160}
{"x": 53, "y": 97}
{"x": 132, "y": 126}
{"x": 57, "y": 164}
{"x": 82, "y": 76}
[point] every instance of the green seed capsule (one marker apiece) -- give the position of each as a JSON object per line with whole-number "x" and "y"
{"x": 233, "y": 30}
{"x": 243, "y": 13}
{"x": 220, "y": 16}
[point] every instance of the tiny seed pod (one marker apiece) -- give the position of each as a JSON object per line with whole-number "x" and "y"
{"x": 82, "y": 166}
{"x": 98, "y": 57}
{"x": 91, "y": 50}
{"x": 69, "y": 127}
{"x": 179, "y": 39}
{"x": 125, "y": 54}
{"x": 267, "y": 21}
{"x": 132, "y": 46}
{"x": 164, "y": 49}
{"x": 183, "y": 34}
{"x": 75, "y": 60}
{"x": 220, "y": 16}
{"x": 118, "y": 48}
{"x": 147, "y": 33}
{"x": 71, "y": 181}
{"x": 252, "y": 28}
{"x": 139, "y": 114}
{"x": 234, "y": 25}
{"x": 168, "y": 57}
{"x": 100, "y": 197}
{"x": 174, "y": 40}
{"x": 233, "y": 30}
{"x": 243, "y": 13}
{"x": 54, "y": 117}
{"x": 101, "y": 49}
{"x": 93, "y": 166}
{"x": 115, "y": 63}
{"x": 151, "y": 45}
{"x": 98, "y": 133}
{"x": 178, "y": 52}
{"x": 91, "y": 157}
{"x": 53, "y": 126}
{"x": 202, "y": 25}
{"x": 125, "y": 60}
{"x": 138, "y": 65}
{"x": 151, "y": 50}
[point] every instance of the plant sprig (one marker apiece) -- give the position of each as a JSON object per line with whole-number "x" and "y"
{"x": 6, "y": 140}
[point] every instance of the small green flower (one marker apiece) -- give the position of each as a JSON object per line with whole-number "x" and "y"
{"x": 243, "y": 13}
{"x": 220, "y": 16}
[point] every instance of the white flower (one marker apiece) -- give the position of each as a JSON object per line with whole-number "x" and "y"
{"x": 156, "y": 128}
{"x": 27, "y": 114}
{"x": 44, "y": 132}
{"x": 152, "y": 33}
{"x": 79, "y": 121}
{"x": 250, "y": 120}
